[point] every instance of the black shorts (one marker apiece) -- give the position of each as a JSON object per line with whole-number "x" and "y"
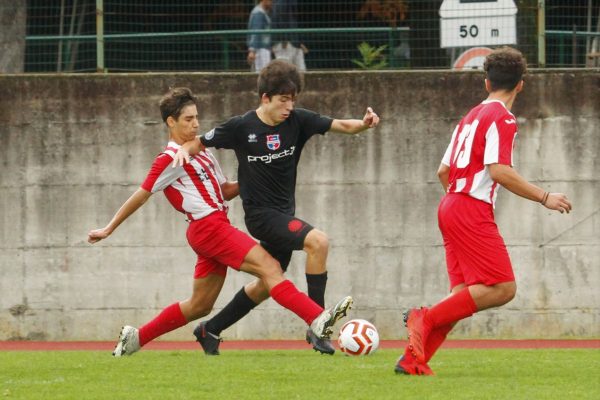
{"x": 279, "y": 233}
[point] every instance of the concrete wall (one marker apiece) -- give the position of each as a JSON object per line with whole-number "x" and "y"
{"x": 13, "y": 20}
{"x": 74, "y": 147}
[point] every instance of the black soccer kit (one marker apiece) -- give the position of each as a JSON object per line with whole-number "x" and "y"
{"x": 268, "y": 157}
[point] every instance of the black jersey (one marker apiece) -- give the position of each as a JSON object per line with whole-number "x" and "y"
{"x": 268, "y": 155}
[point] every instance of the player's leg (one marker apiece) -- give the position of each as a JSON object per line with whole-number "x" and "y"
{"x": 316, "y": 246}
{"x": 418, "y": 330}
{"x": 239, "y": 251}
{"x": 438, "y": 335}
{"x": 456, "y": 280}
{"x": 206, "y": 237}
{"x": 260, "y": 263}
{"x": 282, "y": 233}
{"x": 289, "y": 233}
{"x": 244, "y": 301}
{"x": 204, "y": 295}
{"x": 483, "y": 296}
{"x": 468, "y": 224}
{"x": 293, "y": 233}
{"x": 489, "y": 296}
{"x": 445, "y": 314}
{"x": 407, "y": 364}
{"x": 257, "y": 291}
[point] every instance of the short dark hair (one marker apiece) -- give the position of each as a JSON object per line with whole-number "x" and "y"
{"x": 173, "y": 102}
{"x": 279, "y": 77}
{"x": 504, "y": 68}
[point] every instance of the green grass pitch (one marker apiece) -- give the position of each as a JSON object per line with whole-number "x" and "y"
{"x": 296, "y": 374}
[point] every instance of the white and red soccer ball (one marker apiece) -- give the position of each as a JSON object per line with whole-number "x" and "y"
{"x": 358, "y": 337}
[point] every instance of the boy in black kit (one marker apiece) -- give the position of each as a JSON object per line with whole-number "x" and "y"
{"x": 268, "y": 142}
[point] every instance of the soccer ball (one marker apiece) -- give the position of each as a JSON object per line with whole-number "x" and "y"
{"x": 358, "y": 337}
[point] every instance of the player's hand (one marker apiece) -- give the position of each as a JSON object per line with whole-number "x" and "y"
{"x": 558, "y": 202}
{"x": 370, "y": 119}
{"x": 304, "y": 48}
{"x": 97, "y": 235}
{"x": 181, "y": 158}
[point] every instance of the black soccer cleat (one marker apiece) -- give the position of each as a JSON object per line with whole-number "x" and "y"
{"x": 321, "y": 345}
{"x": 209, "y": 342}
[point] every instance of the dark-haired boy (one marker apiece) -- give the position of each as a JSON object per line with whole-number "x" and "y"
{"x": 200, "y": 191}
{"x": 477, "y": 161}
{"x": 268, "y": 142}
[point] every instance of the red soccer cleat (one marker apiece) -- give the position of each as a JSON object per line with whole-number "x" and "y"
{"x": 407, "y": 365}
{"x": 417, "y": 332}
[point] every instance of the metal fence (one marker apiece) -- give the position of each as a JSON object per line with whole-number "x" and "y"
{"x": 178, "y": 35}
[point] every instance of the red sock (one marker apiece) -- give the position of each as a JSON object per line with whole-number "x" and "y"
{"x": 168, "y": 320}
{"x": 435, "y": 339}
{"x": 450, "y": 310}
{"x": 286, "y": 294}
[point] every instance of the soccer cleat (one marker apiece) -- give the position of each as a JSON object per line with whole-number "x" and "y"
{"x": 209, "y": 342}
{"x": 321, "y": 345}
{"x": 406, "y": 366}
{"x": 417, "y": 332}
{"x": 129, "y": 342}
{"x": 321, "y": 326}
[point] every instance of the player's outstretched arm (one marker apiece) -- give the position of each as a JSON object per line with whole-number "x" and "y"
{"x": 134, "y": 202}
{"x": 230, "y": 190}
{"x": 370, "y": 120}
{"x": 511, "y": 180}
{"x": 192, "y": 147}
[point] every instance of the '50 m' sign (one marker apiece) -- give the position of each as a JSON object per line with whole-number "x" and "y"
{"x": 468, "y": 23}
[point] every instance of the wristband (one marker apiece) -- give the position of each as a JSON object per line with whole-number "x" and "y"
{"x": 545, "y": 198}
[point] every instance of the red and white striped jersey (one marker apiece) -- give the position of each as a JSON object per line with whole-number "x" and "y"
{"x": 193, "y": 189}
{"x": 486, "y": 135}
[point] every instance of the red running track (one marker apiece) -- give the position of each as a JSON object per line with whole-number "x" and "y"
{"x": 299, "y": 345}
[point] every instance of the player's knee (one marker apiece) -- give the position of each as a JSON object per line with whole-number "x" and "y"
{"x": 316, "y": 241}
{"x": 199, "y": 306}
{"x": 267, "y": 266}
{"x": 272, "y": 271}
{"x": 200, "y": 310}
{"x": 203, "y": 312}
{"x": 507, "y": 292}
{"x": 257, "y": 291}
{"x": 511, "y": 292}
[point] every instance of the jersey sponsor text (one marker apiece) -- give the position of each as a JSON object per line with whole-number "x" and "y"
{"x": 267, "y": 158}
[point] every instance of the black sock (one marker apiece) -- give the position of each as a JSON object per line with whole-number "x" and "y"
{"x": 235, "y": 310}
{"x": 316, "y": 287}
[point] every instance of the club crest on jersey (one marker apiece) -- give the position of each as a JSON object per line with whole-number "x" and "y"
{"x": 273, "y": 142}
{"x": 209, "y": 135}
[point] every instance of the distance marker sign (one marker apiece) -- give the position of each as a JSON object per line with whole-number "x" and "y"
{"x": 468, "y": 23}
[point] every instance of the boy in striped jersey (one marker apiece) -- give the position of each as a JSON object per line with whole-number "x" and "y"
{"x": 200, "y": 191}
{"x": 477, "y": 161}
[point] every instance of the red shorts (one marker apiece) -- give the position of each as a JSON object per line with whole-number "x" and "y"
{"x": 475, "y": 251}
{"x": 218, "y": 244}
